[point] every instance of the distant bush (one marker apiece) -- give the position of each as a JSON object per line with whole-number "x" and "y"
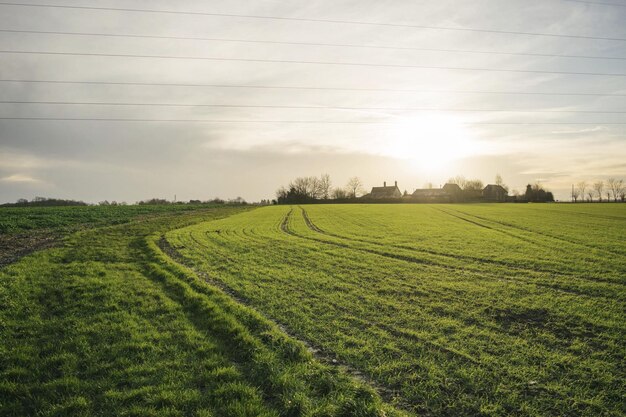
{"x": 45, "y": 202}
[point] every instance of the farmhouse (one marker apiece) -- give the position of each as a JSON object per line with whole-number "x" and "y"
{"x": 384, "y": 192}
{"x": 494, "y": 192}
{"x": 430, "y": 194}
{"x": 448, "y": 193}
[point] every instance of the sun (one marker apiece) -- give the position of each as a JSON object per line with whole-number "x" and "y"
{"x": 430, "y": 141}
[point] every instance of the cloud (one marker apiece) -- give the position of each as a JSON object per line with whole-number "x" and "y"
{"x": 20, "y": 178}
{"x": 588, "y": 130}
{"x": 93, "y": 160}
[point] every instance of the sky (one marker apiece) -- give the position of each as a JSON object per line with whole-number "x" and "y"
{"x": 412, "y": 91}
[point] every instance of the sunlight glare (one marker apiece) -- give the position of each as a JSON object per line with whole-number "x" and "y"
{"x": 431, "y": 141}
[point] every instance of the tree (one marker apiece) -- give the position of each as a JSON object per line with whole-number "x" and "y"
{"x": 458, "y": 180}
{"x": 536, "y": 193}
{"x": 575, "y": 194}
{"x": 581, "y": 188}
{"x": 465, "y": 184}
{"x": 621, "y": 189}
{"x": 339, "y": 193}
{"x": 615, "y": 186}
{"x": 324, "y": 186}
{"x": 355, "y": 186}
{"x": 473, "y": 185}
{"x": 598, "y": 186}
{"x": 529, "y": 193}
{"x": 305, "y": 189}
{"x": 500, "y": 182}
{"x": 590, "y": 195}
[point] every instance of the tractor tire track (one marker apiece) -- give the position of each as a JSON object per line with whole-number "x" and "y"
{"x": 561, "y": 239}
{"x": 407, "y": 335}
{"x": 556, "y": 288}
{"x": 387, "y": 394}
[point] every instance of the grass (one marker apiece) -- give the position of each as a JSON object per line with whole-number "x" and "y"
{"x": 492, "y": 310}
{"x": 109, "y": 325}
{"x": 63, "y": 219}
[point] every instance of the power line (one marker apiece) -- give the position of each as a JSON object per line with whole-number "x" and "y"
{"x": 87, "y": 103}
{"x": 313, "y": 88}
{"x": 285, "y": 121}
{"x": 286, "y": 61}
{"x": 599, "y": 3}
{"x": 341, "y": 45}
{"x": 298, "y": 19}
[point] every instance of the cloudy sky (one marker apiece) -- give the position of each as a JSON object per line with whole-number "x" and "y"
{"x": 415, "y": 91}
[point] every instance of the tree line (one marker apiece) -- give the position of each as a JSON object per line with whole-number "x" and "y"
{"x": 612, "y": 188}
{"x": 306, "y": 189}
{"x": 312, "y": 189}
{"x": 59, "y": 202}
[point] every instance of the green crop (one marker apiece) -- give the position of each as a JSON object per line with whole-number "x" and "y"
{"x": 108, "y": 325}
{"x": 452, "y": 310}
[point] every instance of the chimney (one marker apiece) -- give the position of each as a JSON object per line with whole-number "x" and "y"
{"x": 385, "y": 184}
{"x": 396, "y": 183}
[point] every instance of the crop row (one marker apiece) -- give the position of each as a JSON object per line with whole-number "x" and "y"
{"x": 449, "y": 308}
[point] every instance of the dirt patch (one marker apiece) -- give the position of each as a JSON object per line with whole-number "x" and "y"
{"x": 14, "y": 247}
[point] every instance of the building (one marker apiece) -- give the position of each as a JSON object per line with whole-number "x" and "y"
{"x": 494, "y": 192}
{"x": 447, "y": 194}
{"x": 384, "y": 192}
{"x": 431, "y": 194}
{"x": 453, "y": 190}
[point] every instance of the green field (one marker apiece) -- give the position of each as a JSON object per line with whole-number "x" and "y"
{"x": 107, "y": 325}
{"x": 25, "y": 219}
{"x": 321, "y": 310}
{"x": 455, "y": 310}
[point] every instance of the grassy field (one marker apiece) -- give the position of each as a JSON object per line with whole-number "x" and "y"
{"x": 63, "y": 219}
{"x": 27, "y": 229}
{"x": 108, "y": 325}
{"x": 452, "y": 310}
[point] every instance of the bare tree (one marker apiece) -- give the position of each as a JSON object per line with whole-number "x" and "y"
{"x": 473, "y": 185}
{"x": 500, "y": 182}
{"x": 590, "y": 195}
{"x": 582, "y": 187}
{"x": 575, "y": 194}
{"x": 355, "y": 186}
{"x": 324, "y": 186}
{"x": 340, "y": 193}
{"x": 465, "y": 184}
{"x": 598, "y": 186}
{"x": 458, "y": 180}
{"x": 621, "y": 190}
{"x": 615, "y": 186}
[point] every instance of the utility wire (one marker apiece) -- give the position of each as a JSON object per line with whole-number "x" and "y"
{"x": 598, "y": 3}
{"x": 286, "y": 121}
{"x": 341, "y": 45}
{"x": 245, "y": 106}
{"x": 285, "y": 61}
{"x": 313, "y": 88}
{"x": 297, "y": 19}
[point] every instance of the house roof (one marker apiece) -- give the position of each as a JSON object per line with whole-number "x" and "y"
{"x": 429, "y": 192}
{"x": 452, "y": 188}
{"x": 495, "y": 188}
{"x": 390, "y": 191}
